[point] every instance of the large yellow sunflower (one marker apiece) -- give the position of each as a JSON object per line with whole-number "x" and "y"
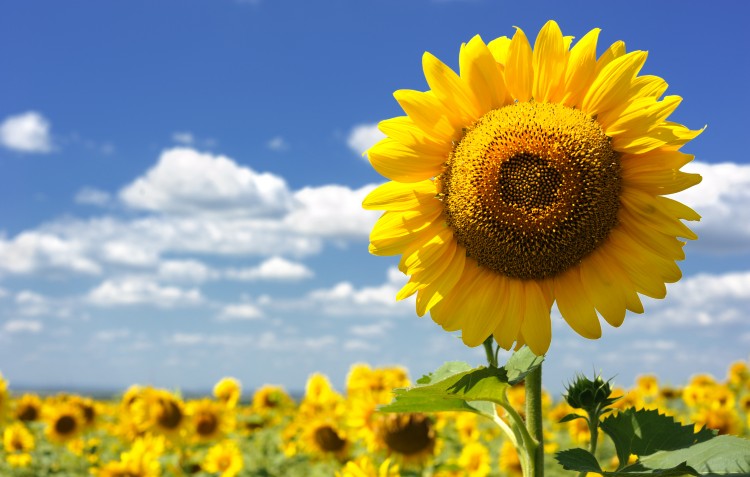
{"x": 533, "y": 176}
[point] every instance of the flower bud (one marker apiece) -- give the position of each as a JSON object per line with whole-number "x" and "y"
{"x": 591, "y": 396}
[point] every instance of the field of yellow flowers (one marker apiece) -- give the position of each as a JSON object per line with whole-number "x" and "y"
{"x": 151, "y": 432}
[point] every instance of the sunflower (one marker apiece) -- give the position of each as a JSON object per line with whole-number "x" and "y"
{"x": 228, "y": 390}
{"x": 364, "y": 467}
{"x": 324, "y": 436}
{"x": 28, "y": 408}
{"x": 534, "y": 176}
{"x": 410, "y": 438}
{"x": 208, "y": 420}
{"x": 65, "y": 421}
{"x": 510, "y": 464}
{"x": 269, "y": 398}
{"x": 18, "y": 442}
{"x": 475, "y": 460}
{"x": 3, "y": 396}
{"x": 224, "y": 459}
{"x": 166, "y": 413}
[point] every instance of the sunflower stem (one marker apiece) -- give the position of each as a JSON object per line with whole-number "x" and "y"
{"x": 491, "y": 354}
{"x": 534, "y": 421}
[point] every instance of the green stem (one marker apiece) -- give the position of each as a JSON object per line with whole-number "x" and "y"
{"x": 491, "y": 354}
{"x": 534, "y": 421}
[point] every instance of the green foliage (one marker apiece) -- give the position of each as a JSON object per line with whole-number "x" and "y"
{"x": 664, "y": 448}
{"x": 455, "y": 386}
{"x": 644, "y": 432}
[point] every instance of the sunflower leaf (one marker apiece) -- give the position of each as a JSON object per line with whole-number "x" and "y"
{"x": 521, "y": 363}
{"x": 643, "y": 432}
{"x": 454, "y": 387}
{"x": 581, "y": 460}
{"x": 727, "y": 455}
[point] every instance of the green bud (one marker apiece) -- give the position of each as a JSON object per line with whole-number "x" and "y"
{"x": 591, "y": 396}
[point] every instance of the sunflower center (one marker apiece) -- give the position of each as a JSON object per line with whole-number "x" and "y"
{"x": 409, "y": 434}
{"x": 328, "y": 439}
{"x": 207, "y": 424}
{"x": 65, "y": 425}
{"x": 170, "y": 416}
{"x": 531, "y": 189}
{"x": 28, "y": 413}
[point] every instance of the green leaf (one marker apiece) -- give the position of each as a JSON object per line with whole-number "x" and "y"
{"x": 521, "y": 363}
{"x": 644, "y": 432}
{"x": 720, "y": 455}
{"x": 447, "y": 369}
{"x": 571, "y": 417}
{"x": 581, "y": 460}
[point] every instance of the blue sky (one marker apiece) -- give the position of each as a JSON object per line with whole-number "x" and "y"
{"x": 181, "y": 184}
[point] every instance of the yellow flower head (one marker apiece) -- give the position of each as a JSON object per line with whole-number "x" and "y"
{"x": 17, "y": 439}
{"x": 269, "y": 398}
{"x": 228, "y": 391}
{"x": 28, "y": 408}
{"x": 65, "y": 421}
{"x": 475, "y": 460}
{"x": 224, "y": 459}
{"x": 510, "y": 464}
{"x": 208, "y": 420}
{"x": 533, "y": 176}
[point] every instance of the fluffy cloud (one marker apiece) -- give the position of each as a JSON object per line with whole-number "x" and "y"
{"x": 23, "y": 326}
{"x": 26, "y": 132}
{"x": 363, "y": 136}
{"x": 134, "y": 290}
{"x": 345, "y": 299}
{"x": 333, "y": 210}
{"x": 185, "y": 271}
{"x": 91, "y": 196}
{"x": 183, "y": 137}
{"x": 30, "y": 252}
{"x": 241, "y": 311}
{"x": 721, "y": 199}
{"x": 185, "y": 181}
{"x": 275, "y": 268}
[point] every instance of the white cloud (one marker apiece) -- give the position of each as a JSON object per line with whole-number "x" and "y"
{"x": 128, "y": 253}
{"x": 264, "y": 341}
{"x": 363, "y": 136}
{"x": 722, "y": 199}
{"x": 275, "y": 268}
{"x": 91, "y": 196}
{"x": 184, "y": 137}
{"x": 345, "y": 299}
{"x": 375, "y": 330}
{"x": 278, "y": 144}
{"x": 359, "y": 345}
{"x": 186, "y": 271}
{"x": 32, "y": 251}
{"x": 107, "y": 336}
{"x": 126, "y": 291}
{"x": 332, "y": 210}
{"x": 185, "y": 181}
{"x": 26, "y": 132}
{"x": 20, "y": 326}
{"x": 241, "y": 311}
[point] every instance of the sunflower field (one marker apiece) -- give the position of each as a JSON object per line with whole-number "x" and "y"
{"x": 149, "y": 432}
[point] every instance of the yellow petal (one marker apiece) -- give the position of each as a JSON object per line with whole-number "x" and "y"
{"x": 434, "y": 293}
{"x": 549, "y": 61}
{"x": 406, "y": 131}
{"x": 499, "y": 48}
{"x": 519, "y": 70}
{"x": 397, "y": 244}
{"x": 427, "y": 253}
{"x": 480, "y": 313}
{"x": 393, "y": 225}
{"x": 612, "y": 83}
{"x": 446, "y": 313}
{"x": 665, "y": 134}
{"x": 429, "y": 114}
{"x": 510, "y": 326}
{"x": 403, "y": 164}
{"x": 648, "y": 86}
{"x": 581, "y": 69}
{"x": 428, "y": 275}
{"x": 640, "y": 116}
{"x": 400, "y": 196}
{"x": 449, "y": 89}
{"x": 480, "y": 71}
{"x": 645, "y": 207}
{"x": 574, "y": 305}
{"x": 615, "y": 50}
{"x": 603, "y": 289}
{"x": 536, "y": 327}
